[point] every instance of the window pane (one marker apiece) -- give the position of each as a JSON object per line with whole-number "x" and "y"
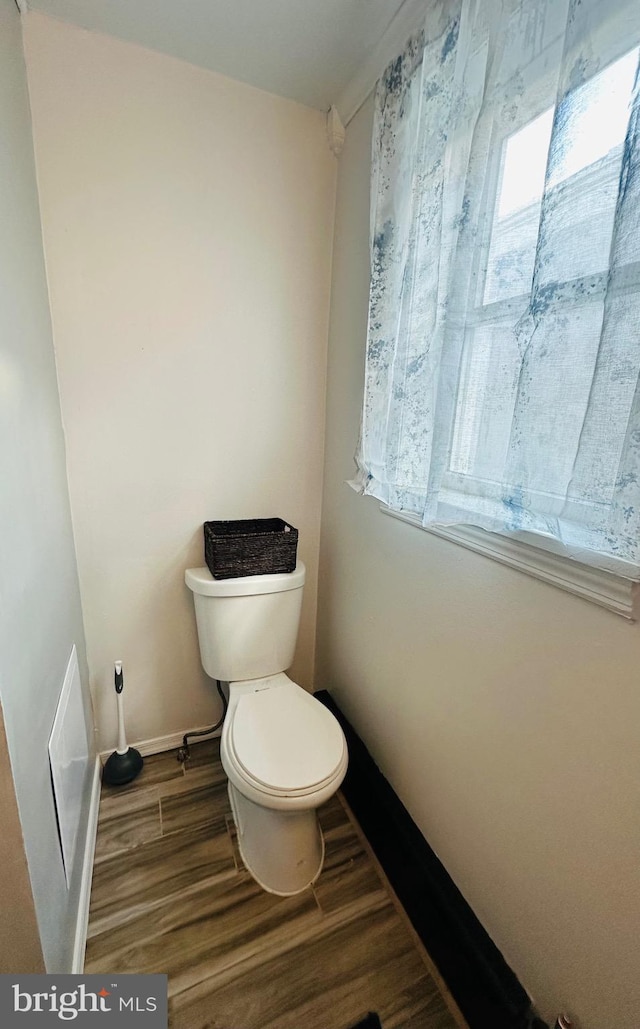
{"x": 549, "y": 391}
{"x": 516, "y": 219}
{"x": 582, "y": 187}
{"x": 485, "y": 402}
{"x": 584, "y": 173}
{"x": 594, "y": 119}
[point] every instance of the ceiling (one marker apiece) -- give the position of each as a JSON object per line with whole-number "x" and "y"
{"x": 307, "y": 50}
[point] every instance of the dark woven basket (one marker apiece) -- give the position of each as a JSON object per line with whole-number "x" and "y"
{"x": 252, "y": 546}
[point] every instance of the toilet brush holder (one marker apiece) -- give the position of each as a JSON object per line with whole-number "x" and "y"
{"x": 125, "y": 762}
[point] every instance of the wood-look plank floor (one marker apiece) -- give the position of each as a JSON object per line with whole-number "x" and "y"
{"x": 170, "y": 894}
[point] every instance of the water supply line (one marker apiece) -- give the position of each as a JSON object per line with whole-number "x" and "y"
{"x": 184, "y": 753}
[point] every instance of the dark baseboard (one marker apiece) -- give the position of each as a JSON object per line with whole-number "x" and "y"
{"x": 482, "y": 984}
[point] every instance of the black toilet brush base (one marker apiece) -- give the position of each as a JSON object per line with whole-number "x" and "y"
{"x": 122, "y": 768}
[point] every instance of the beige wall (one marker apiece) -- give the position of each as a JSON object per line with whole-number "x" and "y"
{"x": 504, "y": 712}
{"x": 187, "y": 222}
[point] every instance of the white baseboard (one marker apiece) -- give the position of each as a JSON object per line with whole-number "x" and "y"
{"x": 161, "y": 743}
{"x": 82, "y": 920}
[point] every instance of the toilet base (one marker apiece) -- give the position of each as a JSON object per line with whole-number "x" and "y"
{"x": 282, "y": 850}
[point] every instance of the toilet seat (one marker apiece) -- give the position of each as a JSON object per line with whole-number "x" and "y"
{"x": 285, "y": 743}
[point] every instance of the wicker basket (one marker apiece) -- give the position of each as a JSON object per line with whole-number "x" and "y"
{"x": 252, "y": 546}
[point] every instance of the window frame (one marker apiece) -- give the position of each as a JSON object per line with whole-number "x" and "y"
{"x": 616, "y": 589}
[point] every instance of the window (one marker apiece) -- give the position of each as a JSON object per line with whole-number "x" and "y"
{"x": 503, "y": 355}
{"x": 583, "y": 188}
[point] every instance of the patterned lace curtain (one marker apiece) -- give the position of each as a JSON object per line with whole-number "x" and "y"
{"x": 503, "y": 350}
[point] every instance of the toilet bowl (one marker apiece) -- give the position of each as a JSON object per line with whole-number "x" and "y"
{"x": 284, "y": 755}
{"x": 283, "y": 752}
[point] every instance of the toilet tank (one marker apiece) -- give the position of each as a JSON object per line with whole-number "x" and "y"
{"x": 247, "y": 627}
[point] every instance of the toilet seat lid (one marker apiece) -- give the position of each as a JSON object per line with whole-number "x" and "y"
{"x": 286, "y": 740}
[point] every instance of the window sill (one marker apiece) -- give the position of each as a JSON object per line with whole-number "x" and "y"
{"x": 611, "y": 590}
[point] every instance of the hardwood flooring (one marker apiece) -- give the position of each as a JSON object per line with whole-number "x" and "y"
{"x": 170, "y": 894}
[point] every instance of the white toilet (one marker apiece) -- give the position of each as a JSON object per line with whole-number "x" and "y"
{"x": 283, "y": 752}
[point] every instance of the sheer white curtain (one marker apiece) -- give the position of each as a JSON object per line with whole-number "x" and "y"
{"x": 503, "y": 352}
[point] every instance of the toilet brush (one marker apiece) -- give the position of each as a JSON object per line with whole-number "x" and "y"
{"x": 125, "y": 762}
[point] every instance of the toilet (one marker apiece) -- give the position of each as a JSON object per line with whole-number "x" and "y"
{"x": 283, "y": 752}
